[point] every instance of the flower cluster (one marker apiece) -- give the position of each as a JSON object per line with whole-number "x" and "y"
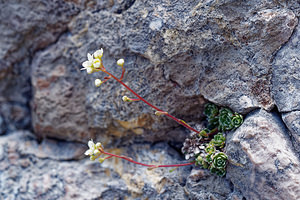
{"x": 207, "y": 147}
{"x": 94, "y": 62}
{"x": 94, "y": 151}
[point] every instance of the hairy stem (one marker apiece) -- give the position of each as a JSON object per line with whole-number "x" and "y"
{"x": 152, "y": 106}
{"x": 146, "y": 165}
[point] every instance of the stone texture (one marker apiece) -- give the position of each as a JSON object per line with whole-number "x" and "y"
{"x": 26, "y": 26}
{"x": 178, "y": 55}
{"x": 219, "y": 51}
{"x": 264, "y": 165}
{"x": 2, "y": 125}
{"x": 292, "y": 121}
{"x": 286, "y": 75}
{"x": 24, "y": 174}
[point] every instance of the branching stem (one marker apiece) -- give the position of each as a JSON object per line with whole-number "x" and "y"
{"x": 149, "y": 104}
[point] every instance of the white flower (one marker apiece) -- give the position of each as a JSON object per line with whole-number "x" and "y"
{"x": 97, "y": 63}
{"x": 89, "y": 70}
{"x": 92, "y": 148}
{"x": 88, "y": 65}
{"x": 98, "y": 82}
{"x": 98, "y": 54}
{"x": 120, "y": 62}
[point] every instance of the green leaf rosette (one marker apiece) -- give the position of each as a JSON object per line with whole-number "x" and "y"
{"x": 200, "y": 161}
{"x": 210, "y": 149}
{"x": 219, "y": 172}
{"x": 236, "y": 120}
{"x": 219, "y": 140}
{"x": 219, "y": 161}
{"x": 213, "y": 122}
{"x": 210, "y": 110}
{"x": 209, "y": 158}
{"x": 225, "y": 118}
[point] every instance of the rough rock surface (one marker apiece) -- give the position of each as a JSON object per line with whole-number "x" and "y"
{"x": 218, "y": 50}
{"x": 26, "y": 27}
{"x": 264, "y": 163}
{"x": 292, "y": 121}
{"x": 286, "y": 75}
{"x": 178, "y": 54}
{"x": 25, "y": 174}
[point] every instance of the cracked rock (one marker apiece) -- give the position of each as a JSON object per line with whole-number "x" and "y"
{"x": 292, "y": 121}
{"x": 262, "y": 163}
{"x": 286, "y": 75}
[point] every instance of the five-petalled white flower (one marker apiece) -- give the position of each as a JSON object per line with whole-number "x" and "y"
{"x": 88, "y": 65}
{"x": 92, "y": 148}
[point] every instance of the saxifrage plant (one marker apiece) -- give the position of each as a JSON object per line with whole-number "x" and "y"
{"x": 204, "y": 148}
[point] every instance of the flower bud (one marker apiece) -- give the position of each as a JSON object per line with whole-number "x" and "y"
{"x": 101, "y": 160}
{"x": 98, "y": 145}
{"x": 99, "y": 53}
{"x": 98, "y": 82}
{"x": 120, "y": 62}
{"x": 126, "y": 99}
{"x": 92, "y": 158}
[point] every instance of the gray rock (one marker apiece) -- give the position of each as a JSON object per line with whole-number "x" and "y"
{"x": 31, "y": 25}
{"x": 292, "y": 121}
{"x": 263, "y": 164}
{"x": 176, "y": 57}
{"x": 24, "y": 174}
{"x": 201, "y": 184}
{"x": 26, "y": 26}
{"x": 286, "y": 75}
{"x": 2, "y": 125}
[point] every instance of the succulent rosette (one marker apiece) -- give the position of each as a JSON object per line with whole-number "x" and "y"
{"x": 219, "y": 160}
{"x": 213, "y": 122}
{"x": 225, "y": 118}
{"x": 210, "y": 110}
{"x": 200, "y": 161}
{"x": 210, "y": 149}
{"x": 206, "y": 148}
{"x": 236, "y": 120}
{"x": 219, "y": 140}
{"x": 219, "y": 172}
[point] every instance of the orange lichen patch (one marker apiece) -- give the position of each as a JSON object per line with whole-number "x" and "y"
{"x": 156, "y": 179}
{"x": 112, "y": 130}
{"x": 134, "y": 184}
{"x": 143, "y": 121}
{"x": 138, "y": 131}
{"x": 42, "y": 83}
{"x": 107, "y": 172}
{"x": 116, "y": 151}
{"x": 59, "y": 70}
